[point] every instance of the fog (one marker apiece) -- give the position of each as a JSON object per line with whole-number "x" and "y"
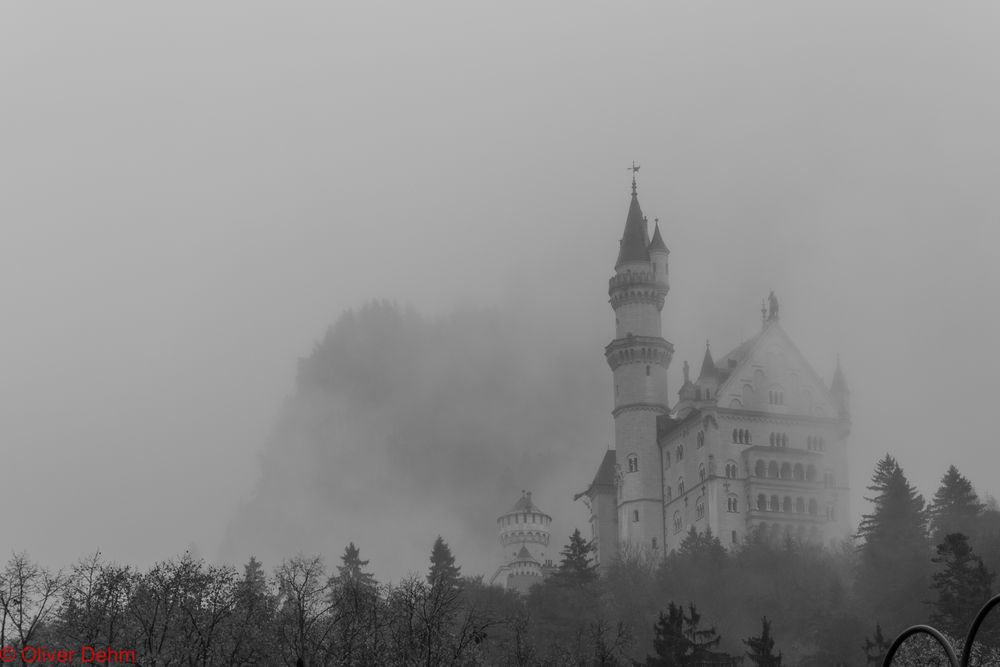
{"x": 191, "y": 195}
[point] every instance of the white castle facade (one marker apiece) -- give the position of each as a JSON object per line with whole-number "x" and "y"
{"x": 757, "y": 443}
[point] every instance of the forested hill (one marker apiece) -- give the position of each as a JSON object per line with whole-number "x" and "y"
{"x": 403, "y": 427}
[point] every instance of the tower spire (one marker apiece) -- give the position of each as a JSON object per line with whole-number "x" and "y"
{"x": 634, "y": 243}
{"x": 635, "y": 170}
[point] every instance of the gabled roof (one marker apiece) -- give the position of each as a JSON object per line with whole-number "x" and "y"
{"x": 605, "y": 473}
{"x": 634, "y": 241}
{"x": 524, "y": 554}
{"x": 657, "y": 242}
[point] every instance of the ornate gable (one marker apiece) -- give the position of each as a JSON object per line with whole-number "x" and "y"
{"x": 773, "y": 376}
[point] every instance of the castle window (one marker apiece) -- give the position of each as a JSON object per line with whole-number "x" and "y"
{"x": 677, "y": 521}
{"x": 786, "y": 471}
{"x": 786, "y": 505}
{"x": 647, "y": 372}
{"x": 759, "y": 470}
{"x": 680, "y": 452}
{"x": 821, "y": 443}
{"x": 635, "y": 516}
{"x": 735, "y": 438}
{"x": 828, "y": 479}
{"x": 670, "y": 494}
{"x": 784, "y": 439}
{"x": 800, "y": 506}
{"x": 701, "y": 438}
{"x": 811, "y": 473}
{"x": 772, "y": 439}
{"x": 699, "y": 508}
{"x": 761, "y": 502}
{"x": 772, "y": 469}
{"x": 701, "y": 472}
{"x": 775, "y": 507}
{"x": 633, "y": 463}
{"x": 813, "y": 509}
{"x": 680, "y": 486}
{"x": 732, "y": 504}
{"x": 654, "y": 542}
{"x": 666, "y": 460}
{"x": 734, "y": 537}
{"x": 731, "y": 470}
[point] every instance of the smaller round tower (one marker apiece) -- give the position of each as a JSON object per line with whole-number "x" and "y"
{"x": 524, "y": 532}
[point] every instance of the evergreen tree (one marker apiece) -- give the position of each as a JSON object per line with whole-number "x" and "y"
{"x": 352, "y": 569}
{"x": 679, "y": 639}
{"x": 894, "y": 567}
{"x": 443, "y": 570}
{"x": 956, "y": 507}
{"x": 761, "y": 651}
{"x": 577, "y": 566}
{"x": 963, "y": 585}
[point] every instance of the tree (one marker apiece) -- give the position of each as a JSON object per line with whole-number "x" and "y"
{"x": 577, "y": 567}
{"x": 963, "y": 585}
{"x": 678, "y": 639}
{"x": 761, "y": 651}
{"x": 956, "y": 507}
{"x": 352, "y": 570}
{"x": 443, "y": 570}
{"x": 894, "y": 566}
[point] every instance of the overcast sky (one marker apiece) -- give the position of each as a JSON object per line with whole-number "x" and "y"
{"x": 191, "y": 192}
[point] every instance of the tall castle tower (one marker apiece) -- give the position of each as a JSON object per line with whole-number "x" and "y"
{"x": 524, "y": 532}
{"x": 639, "y": 358}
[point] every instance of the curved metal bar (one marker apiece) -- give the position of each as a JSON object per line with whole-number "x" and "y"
{"x": 916, "y": 630}
{"x": 970, "y": 637}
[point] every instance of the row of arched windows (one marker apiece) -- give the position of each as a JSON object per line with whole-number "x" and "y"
{"x": 517, "y": 519}
{"x": 774, "y": 504}
{"x": 642, "y": 354}
{"x": 776, "y": 397}
{"x": 732, "y": 504}
{"x": 815, "y": 443}
{"x": 742, "y": 436}
{"x": 779, "y": 439}
{"x": 731, "y": 470}
{"x": 786, "y": 471}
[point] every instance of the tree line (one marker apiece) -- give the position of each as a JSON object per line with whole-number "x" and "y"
{"x": 762, "y": 603}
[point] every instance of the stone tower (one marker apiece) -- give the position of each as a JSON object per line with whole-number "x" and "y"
{"x": 524, "y": 532}
{"x": 639, "y": 358}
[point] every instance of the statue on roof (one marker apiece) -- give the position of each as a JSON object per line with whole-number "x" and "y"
{"x": 773, "y": 303}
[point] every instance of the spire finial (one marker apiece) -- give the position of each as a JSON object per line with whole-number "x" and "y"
{"x": 635, "y": 170}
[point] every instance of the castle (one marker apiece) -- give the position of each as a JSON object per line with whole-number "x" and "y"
{"x": 756, "y": 444}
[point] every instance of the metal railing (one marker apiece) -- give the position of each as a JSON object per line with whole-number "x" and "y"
{"x": 949, "y": 650}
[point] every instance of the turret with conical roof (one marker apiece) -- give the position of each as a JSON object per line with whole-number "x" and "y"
{"x": 840, "y": 392}
{"x": 524, "y": 532}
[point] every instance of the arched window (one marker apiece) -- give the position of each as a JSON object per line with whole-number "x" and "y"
{"x": 759, "y": 469}
{"x": 731, "y": 469}
{"x": 812, "y": 506}
{"x": 800, "y": 506}
{"x": 701, "y": 438}
{"x": 799, "y": 472}
{"x": 680, "y": 486}
{"x": 749, "y": 438}
{"x": 701, "y": 471}
{"x": 647, "y": 370}
{"x": 732, "y": 504}
{"x": 772, "y": 439}
{"x": 784, "y": 439}
{"x": 680, "y": 453}
{"x": 786, "y": 504}
{"x": 811, "y": 473}
{"x": 786, "y": 470}
{"x": 775, "y": 507}
{"x": 666, "y": 460}
{"x": 822, "y": 443}
{"x": 734, "y": 436}
{"x": 699, "y": 508}
{"x": 772, "y": 469}
{"x": 761, "y": 502}
{"x": 670, "y": 494}
{"x": 677, "y": 521}
{"x": 635, "y": 516}
{"x": 633, "y": 463}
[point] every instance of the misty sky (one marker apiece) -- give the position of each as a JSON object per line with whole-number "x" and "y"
{"x": 190, "y": 193}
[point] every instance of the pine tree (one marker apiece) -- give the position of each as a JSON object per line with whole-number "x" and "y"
{"x": 761, "y": 651}
{"x": 679, "y": 639}
{"x": 577, "y": 566}
{"x": 963, "y": 585}
{"x": 894, "y": 568}
{"x": 443, "y": 570}
{"x": 956, "y": 507}
{"x": 352, "y": 570}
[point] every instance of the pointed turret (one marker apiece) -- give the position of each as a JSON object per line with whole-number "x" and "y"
{"x": 634, "y": 241}
{"x": 657, "y": 242}
{"x": 839, "y": 390}
{"x": 707, "y": 365}
{"x": 658, "y": 256}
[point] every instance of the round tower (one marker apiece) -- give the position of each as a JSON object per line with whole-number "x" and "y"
{"x": 525, "y": 527}
{"x": 639, "y": 358}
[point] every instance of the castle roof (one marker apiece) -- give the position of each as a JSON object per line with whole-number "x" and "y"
{"x": 839, "y": 385}
{"x": 657, "y": 242}
{"x": 707, "y": 365}
{"x": 605, "y": 473}
{"x": 524, "y": 504}
{"x": 635, "y": 242}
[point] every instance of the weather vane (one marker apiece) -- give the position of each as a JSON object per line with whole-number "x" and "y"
{"x": 635, "y": 170}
